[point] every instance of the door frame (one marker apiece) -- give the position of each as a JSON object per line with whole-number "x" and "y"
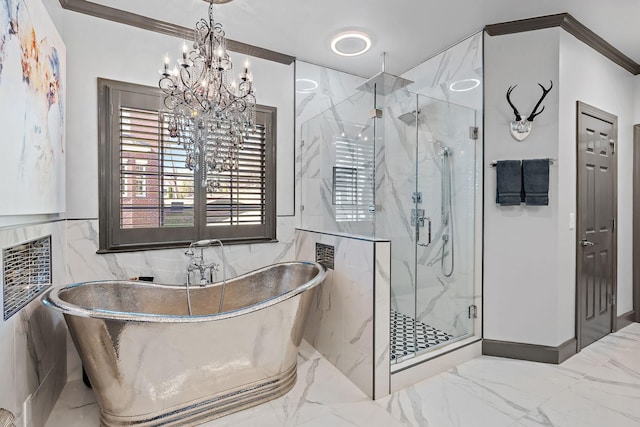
{"x": 636, "y": 221}
{"x": 583, "y": 108}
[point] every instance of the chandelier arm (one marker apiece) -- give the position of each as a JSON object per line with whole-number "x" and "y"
{"x": 181, "y": 74}
{"x": 201, "y": 30}
{"x": 239, "y": 101}
{"x": 166, "y": 100}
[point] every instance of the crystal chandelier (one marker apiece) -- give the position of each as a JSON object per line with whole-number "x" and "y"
{"x": 208, "y": 113}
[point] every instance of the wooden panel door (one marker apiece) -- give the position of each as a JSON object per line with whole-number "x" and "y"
{"x": 596, "y": 251}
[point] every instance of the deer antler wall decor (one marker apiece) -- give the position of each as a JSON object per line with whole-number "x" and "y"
{"x": 521, "y": 127}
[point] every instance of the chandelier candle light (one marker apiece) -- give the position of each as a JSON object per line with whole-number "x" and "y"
{"x": 208, "y": 114}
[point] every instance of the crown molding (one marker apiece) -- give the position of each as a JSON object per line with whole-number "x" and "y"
{"x": 163, "y": 27}
{"x": 573, "y": 27}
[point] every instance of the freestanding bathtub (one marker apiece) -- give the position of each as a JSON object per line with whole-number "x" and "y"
{"x": 151, "y": 364}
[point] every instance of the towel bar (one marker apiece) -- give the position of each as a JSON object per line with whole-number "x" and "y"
{"x": 495, "y": 162}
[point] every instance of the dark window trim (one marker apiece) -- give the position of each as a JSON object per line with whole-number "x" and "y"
{"x": 110, "y": 235}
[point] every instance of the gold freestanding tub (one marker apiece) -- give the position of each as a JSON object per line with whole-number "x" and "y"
{"x": 151, "y": 364}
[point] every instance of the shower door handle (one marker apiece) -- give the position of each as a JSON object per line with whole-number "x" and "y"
{"x": 428, "y": 233}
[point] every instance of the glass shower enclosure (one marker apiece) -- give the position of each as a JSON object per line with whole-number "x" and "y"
{"x": 401, "y": 167}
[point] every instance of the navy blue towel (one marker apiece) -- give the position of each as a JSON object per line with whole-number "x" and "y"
{"x": 509, "y": 182}
{"x": 535, "y": 179}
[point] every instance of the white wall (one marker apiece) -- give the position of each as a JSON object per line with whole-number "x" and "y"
{"x": 587, "y": 76}
{"x": 55, "y": 12}
{"x": 100, "y": 48}
{"x": 530, "y": 255}
{"x": 520, "y": 248}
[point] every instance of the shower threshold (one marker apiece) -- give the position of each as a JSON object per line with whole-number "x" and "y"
{"x": 410, "y": 337}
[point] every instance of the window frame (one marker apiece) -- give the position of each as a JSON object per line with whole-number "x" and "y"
{"x": 112, "y": 238}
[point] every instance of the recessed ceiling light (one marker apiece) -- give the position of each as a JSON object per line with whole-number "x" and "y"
{"x": 306, "y": 85}
{"x": 464, "y": 85}
{"x": 351, "y": 43}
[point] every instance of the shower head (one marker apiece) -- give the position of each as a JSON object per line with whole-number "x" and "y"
{"x": 409, "y": 118}
{"x": 384, "y": 84}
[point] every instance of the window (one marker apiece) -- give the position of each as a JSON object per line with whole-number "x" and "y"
{"x": 149, "y": 199}
{"x": 353, "y": 180}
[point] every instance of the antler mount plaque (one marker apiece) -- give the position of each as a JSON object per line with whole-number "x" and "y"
{"x": 521, "y": 127}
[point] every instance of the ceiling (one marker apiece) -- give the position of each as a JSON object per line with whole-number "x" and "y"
{"x": 410, "y": 31}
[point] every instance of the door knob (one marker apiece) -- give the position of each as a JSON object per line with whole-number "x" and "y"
{"x": 584, "y": 243}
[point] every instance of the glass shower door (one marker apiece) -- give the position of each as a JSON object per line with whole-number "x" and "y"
{"x": 444, "y": 253}
{"x": 428, "y": 189}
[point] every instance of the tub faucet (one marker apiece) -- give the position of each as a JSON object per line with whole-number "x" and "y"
{"x": 197, "y": 262}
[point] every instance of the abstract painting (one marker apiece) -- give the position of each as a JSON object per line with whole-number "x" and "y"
{"x": 32, "y": 110}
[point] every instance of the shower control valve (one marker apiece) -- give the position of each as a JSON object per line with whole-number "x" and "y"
{"x": 417, "y": 217}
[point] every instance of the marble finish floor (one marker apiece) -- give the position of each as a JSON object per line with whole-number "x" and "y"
{"x": 600, "y": 386}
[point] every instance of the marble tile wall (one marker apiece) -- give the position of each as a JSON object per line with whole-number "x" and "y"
{"x": 442, "y": 302}
{"x": 382, "y": 302}
{"x": 327, "y": 104}
{"x": 341, "y": 322}
{"x": 33, "y": 366}
{"x": 166, "y": 266}
{"x": 320, "y": 89}
{"x": 460, "y": 62}
{"x": 321, "y": 135}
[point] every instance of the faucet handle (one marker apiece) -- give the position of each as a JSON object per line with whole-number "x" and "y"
{"x": 189, "y": 252}
{"x": 215, "y": 266}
